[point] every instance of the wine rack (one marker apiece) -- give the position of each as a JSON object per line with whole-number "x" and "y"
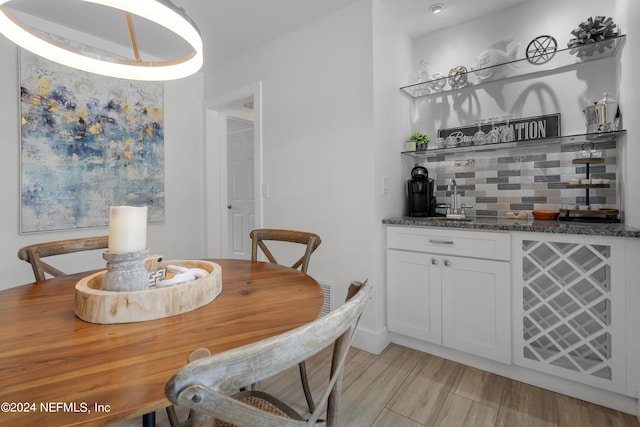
{"x": 567, "y": 306}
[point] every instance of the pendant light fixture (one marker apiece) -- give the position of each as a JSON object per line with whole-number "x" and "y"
{"x": 161, "y": 12}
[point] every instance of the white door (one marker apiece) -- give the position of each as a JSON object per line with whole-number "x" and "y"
{"x": 221, "y": 235}
{"x": 240, "y": 183}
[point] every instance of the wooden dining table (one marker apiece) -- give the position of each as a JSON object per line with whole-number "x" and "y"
{"x": 56, "y": 369}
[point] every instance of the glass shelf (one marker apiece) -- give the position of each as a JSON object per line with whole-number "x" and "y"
{"x": 591, "y": 138}
{"x": 521, "y": 67}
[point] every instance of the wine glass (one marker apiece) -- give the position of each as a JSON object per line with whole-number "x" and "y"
{"x": 507, "y": 134}
{"x": 493, "y": 137}
{"x": 479, "y": 138}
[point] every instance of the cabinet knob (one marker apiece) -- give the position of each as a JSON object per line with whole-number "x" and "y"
{"x": 434, "y": 261}
{"x": 447, "y": 263}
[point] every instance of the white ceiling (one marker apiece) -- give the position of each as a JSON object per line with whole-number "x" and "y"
{"x": 231, "y": 27}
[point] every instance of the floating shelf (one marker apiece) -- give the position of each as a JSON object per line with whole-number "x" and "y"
{"x": 595, "y": 138}
{"x": 521, "y": 67}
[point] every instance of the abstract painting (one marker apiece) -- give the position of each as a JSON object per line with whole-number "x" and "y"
{"x": 87, "y": 142}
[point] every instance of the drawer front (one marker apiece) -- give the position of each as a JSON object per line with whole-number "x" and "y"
{"x": 476, "y": 244}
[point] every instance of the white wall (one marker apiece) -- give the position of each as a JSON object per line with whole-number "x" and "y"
{"x": 392, "y": 58}
{"x": 566, "y": 92}
{"x": 628, "y": 12}
{"x": 318, "y": 141}
{"x": 180, "y": 236}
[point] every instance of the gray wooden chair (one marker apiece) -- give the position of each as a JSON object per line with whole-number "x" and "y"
{"x": 33, "y": 254}
{"x": 208, "y": 386}
{"x": 311, "y": 241}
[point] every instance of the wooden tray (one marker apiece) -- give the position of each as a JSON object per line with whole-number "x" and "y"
{"x": 94, "y": 305}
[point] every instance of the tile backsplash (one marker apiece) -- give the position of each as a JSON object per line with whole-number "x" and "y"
{"x": 524, "y": 178}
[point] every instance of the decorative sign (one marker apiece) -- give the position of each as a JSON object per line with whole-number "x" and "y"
{"x": 525, "y": 129}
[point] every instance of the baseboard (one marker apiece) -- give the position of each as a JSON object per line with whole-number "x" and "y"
{"x": 371, "y": 341}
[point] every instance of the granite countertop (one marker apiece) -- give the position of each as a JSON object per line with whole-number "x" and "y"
{"x": 530, "y": 225}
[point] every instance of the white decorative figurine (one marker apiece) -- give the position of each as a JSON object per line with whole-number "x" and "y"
{"x": 487, "y": 65}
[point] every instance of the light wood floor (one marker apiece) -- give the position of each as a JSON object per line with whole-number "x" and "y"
{"x": 402, "y": 387}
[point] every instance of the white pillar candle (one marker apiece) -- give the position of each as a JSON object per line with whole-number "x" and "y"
{"x": 127, "y": 229}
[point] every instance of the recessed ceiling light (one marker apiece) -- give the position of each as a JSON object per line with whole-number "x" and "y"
{"x": 436, "y": 8}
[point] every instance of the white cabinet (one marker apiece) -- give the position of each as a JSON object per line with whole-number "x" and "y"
{"x": 569, "y": 307}
{"x": 476, "y": 302}
{"x": 413, "y": 302}
{"x": 441, "y": 288}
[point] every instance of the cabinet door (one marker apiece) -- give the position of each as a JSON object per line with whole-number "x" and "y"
{"x": 413, "y": 295}
{"x": 476, "y": 313}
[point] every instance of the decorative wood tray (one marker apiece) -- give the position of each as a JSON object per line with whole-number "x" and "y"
{"x": 94, "y": 305}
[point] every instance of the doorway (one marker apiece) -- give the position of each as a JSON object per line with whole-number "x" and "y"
{"x": 233, "y": 172}
{"x": 240, "y": 180}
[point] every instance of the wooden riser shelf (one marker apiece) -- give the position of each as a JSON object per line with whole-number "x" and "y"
{"x": 588, "y": 185}
{"x": 589, "y": 215}
{"x": 594, "y": 215}
{"x": 607, "y": 212}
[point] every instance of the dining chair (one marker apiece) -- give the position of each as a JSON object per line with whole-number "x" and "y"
{"x": 311, "y": 241}
{"x": 260, "y": 237}
{"x": 208, "y": 385}
{"x": 33, "y": 254}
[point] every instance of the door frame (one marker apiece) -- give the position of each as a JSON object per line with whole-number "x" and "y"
{"x": 215, "y": 166}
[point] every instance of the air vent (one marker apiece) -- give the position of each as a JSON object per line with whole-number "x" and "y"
{"x": 327, "y": 291}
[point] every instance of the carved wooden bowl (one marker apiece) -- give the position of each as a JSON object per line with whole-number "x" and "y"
{"x": 94, "y": 305}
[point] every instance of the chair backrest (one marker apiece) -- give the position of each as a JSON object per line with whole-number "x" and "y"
{"x": 33, "y": 254}
{"x": 206, "y": 385}
{"x": 262, "y": 235}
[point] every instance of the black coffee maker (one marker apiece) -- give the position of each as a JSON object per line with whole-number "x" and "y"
{"x": 422, "y": 202}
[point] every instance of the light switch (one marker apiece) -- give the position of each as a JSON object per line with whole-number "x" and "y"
{"x": 385, "y": 185}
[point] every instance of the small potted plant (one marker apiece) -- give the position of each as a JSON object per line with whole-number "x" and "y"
{"x": 418, "y": 141}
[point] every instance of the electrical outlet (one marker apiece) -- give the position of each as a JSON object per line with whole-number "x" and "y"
{"x": 385, "y": 185}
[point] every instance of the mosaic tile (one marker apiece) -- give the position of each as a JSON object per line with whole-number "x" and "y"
{"x": 547, "y": 164}
{"x": 547, "y": 178}
{"x": 522, "y": 178}
{"x": 500, "y": 180}
{"x": 486, "y": 200}
{"x": 510, "y": 172}
{"x": 539, "y": 199}
{"x": 522, "y": 206}
{"x": 509, "y": 186}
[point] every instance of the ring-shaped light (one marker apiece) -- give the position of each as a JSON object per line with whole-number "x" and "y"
{"x": 162, "y": 12}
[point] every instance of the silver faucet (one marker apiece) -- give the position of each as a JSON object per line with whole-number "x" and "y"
{"x": 454, "y": 197}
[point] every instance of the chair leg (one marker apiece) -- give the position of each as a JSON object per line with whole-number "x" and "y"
{"x": 172, "y": 416}
{"x": 305, "y": 387}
